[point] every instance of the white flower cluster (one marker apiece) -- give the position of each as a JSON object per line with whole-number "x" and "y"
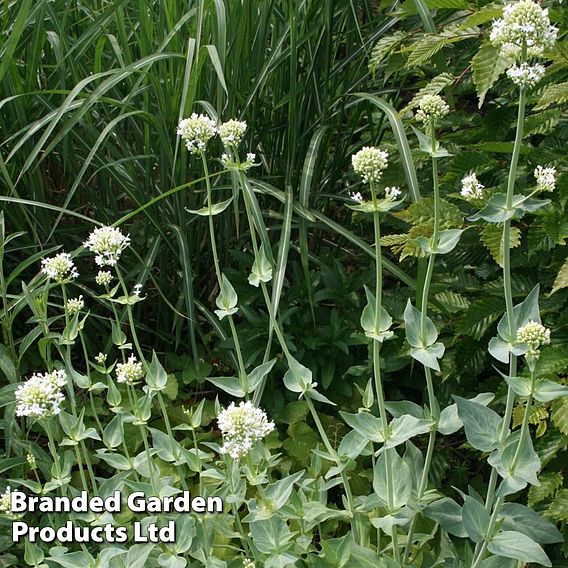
{"x": 31, "y": 461}
{"x": 356, "y": 196}
{"x": 534, "y": 334}
{"x": 103, "y": 278}
{"x": 231, "y": 164}
{"x": 431, "y": 108}
{"x": 129, "y": 372}
{"x": 107, "y": 243}
{"x": 59, "y": 267}
{"x": 525, "y": 75}
{"x": 369, "y": 163}
{"x": 6, "y": 502}
{"x": 242, "y": 426}
{"x": 41, "y": 396}
{"x": 545, "y": 178}
{"x": 392, "y": 192}
{"x": 524, "y": 23}
{"x": 196, "y": 131}
{"x": 74, "y": 305}
{"x": 101, "y": 358}
{"x": 232, "y": 132}
{"x": 248, "y": 563}
{"x": 471, "y": 189}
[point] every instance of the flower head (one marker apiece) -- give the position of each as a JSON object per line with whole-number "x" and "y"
{"x": 369, "y": 163}
{"x": 107, "y": 243}
{"x": 545, "y": 178}
{"x": 31, "y": 461}
{"x": 196, "y": 131}
{"x": 431, "y": 108}
{"x": 59, "y": 267}
{"x": 40, "y": 396}
{"x": 101, "y": 358}
{"x": 534, "y": 334}
{"x": 242, "y": 426}
{"x": 129, "y": 372}
{"x": 6, "y": 503}
{"x": 525, "y": 75}
{"x": 229, "y": 163}
{"x": 232, "y": 132}
{"x": 471, "y": 189}
{"x": 523, "y": 23}
{"x": 103, "y": 278}
{"x": 392, "y": 192}
{"x": 74, "y": 305}
{"x": 248, "y": 563}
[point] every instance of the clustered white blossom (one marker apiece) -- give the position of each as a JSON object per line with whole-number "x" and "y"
{"x": 6, "y": 502}
{"x": 545, "y": 178}
{"x": 392, "y": 192}
{"x": 431, "y": 108}
{"x": 525, "y": 75}
{"x": 534, "y": 334}
{"x": 74, "y": 305}
{"x": 229, "y": 163}
{"x": 524, "y": 23}
{"x": 196, "y": 131}
{"x": 471, "y": 189}
{"x": 129, "y": 372}
{"x": 103, "y": 278}
{"x": 107, "y": 243}
{"x": 40, "y": 396}
{"x": 369, "y": 163}
{"x": 31, "y": 461}
{"x": 248, "y": 563}
{"x": 242, "y": 426}
{"x": 59, "y": 267}
{"x": 101, "y": 358}
{"x": 232, "y": 132}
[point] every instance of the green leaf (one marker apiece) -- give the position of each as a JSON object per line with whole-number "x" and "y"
{"x": 553, "y": 94}
{"x": 366, "y": 425}
{"x": 475, "y": 519}
{"x": 227, "y": 299}
{"x": 261, "y": 269}
{"x": 368, "y": 320}
{"x": 272, "y": 535}
{"x": 524, "y": 312}
{"x": 447, "y": 241}
{"x": 492, "y": 238}
{"x": 113, "y": 433}
{"x": 519, "y": 518}
{"x": 487, "y": 65}
{"x": 298, "y": 378}
{"x": 547, "y": 391}
{"x": 258, "y": 373}
{"x": 549, "y": 483}
{"x": 482, "y": 425}
{"x": 449, "y": 514}
{"x": 495, "y": 211}
{"x": 429, "y": 356}
{"x": 230, "y": 385}
{"x": 216, "y": 208}
{"x": 450, "y": 423}
{"x": 337, "y": 551}
{"x": 558, "y": 509}
{"x": 157, "y": 378}
{"x": 402, "y": 481}
{"x": 404, "y": 428}
{"x": 561, "y": 280}
{"x": 560, "y": 414}
{"x": 414, "y": 334}
{"x": 512, "y": 544}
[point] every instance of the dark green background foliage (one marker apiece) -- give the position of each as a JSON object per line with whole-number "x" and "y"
{"x": 91, "y": 93}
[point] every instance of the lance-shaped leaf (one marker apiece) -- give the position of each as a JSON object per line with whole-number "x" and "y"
{"x": 380, "y": 332}
{"x": 524, "y": 312}
{"x": 512, "y": 544}
{"x": 381, "y": 205}
{"x": 402, "y": 481}
{"x": 366, "y": 425}
{"x": 415, "y": 335}
{"x": 497, "y": 210}
{"x": 447, "y": 241}
{"x": 258, "y": 374}
{"x": 157, "y": 378}
{"x": 261, "y": 269}
{"x": 227, "y": 299}
{"x": 475, "y": 519}
{"x": 216, "y": 208}
{"x": 404, "y": 428}
{"x": 425, "y": 143}
{"x": 482, "y": 425}
{"x": 429, "y": 356}
{"x": 230, "y": 385}
{"x": 449, "y": 514}
{"x": 517, "y": 517}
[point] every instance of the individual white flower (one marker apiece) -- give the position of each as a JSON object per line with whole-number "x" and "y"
{"x": 103, "y": 278}
{"x": 471, "y": 189}
{"x": 40, "y": 396}
{"x": 59, "y": 267}
{"x": 356, "y": 196}
{"x": 74, "y": 305}
{"x": 431, "y": 108}
{"x": 107, "y": 243}
{"x": 232, "y": 132}
{"x": 534, "y": 334}
{"x": 129, "y": 372}
{"x": 196, "y": 131}
{"x": 31, "y": 461}
{"x": 392, "y": 192}
{"x": 523, "y": 23}
{"x": 545, "y": 178}
{"x": 101, "y": 358}
{"x": 369, "y": 163}
{"x": 242, "y": 426}
{"x": 525, "y": 75}
{"x": 6, "y": 503}
{"x": 137, "y": 289}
